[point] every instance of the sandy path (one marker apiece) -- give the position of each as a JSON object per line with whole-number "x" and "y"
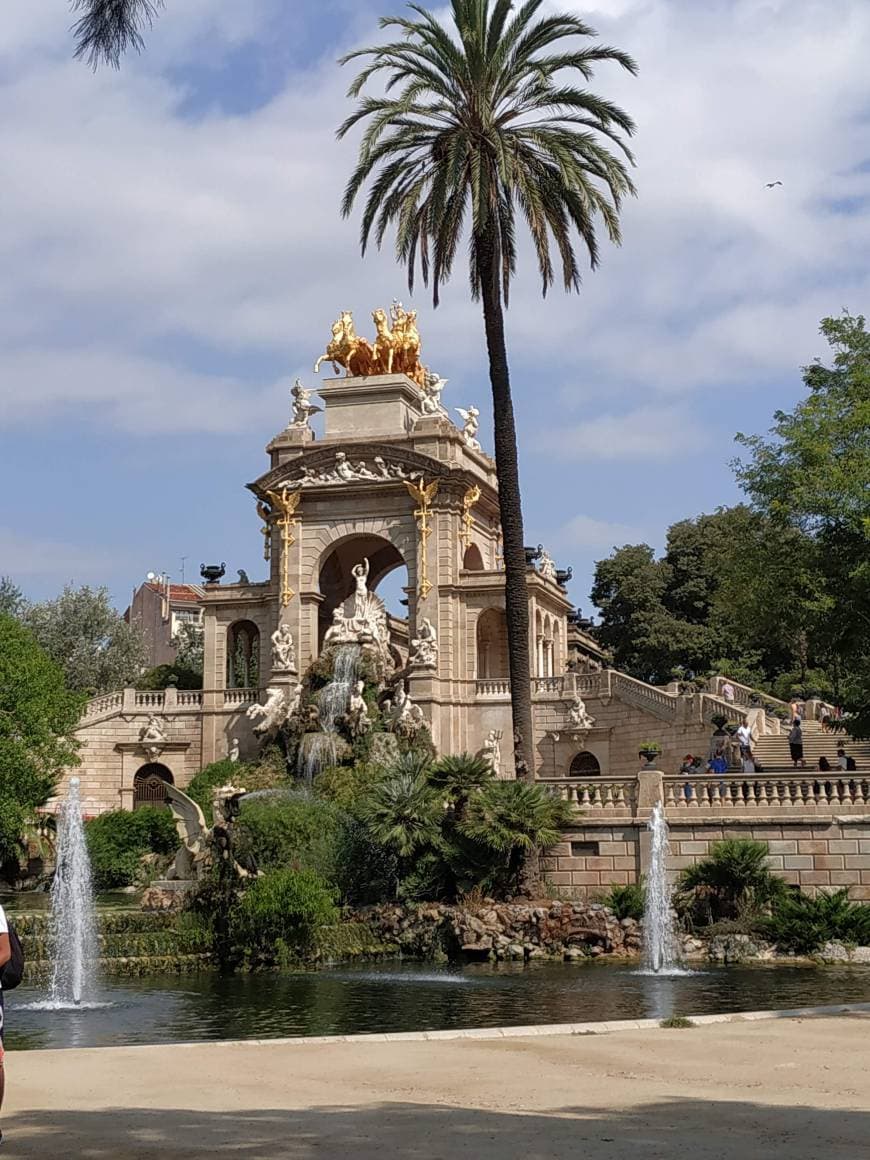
{"x": 797, "y": 1089}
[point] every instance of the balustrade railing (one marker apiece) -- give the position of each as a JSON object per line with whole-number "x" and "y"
{"x": 494, "y": 687}
{"x": 607, "y": 795}
{"x": 240, "y": 696}
{"x": 757, "y": 792}
{"x": 644, "y": 696}
{"x": 550, "y": 684}
{"x": 187, "y": 698}
{"x": 149, "y": 699}
{"x": 105, "y": 704}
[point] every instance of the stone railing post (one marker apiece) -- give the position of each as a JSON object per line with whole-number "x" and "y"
{"x": 650, "y": 791}
{"x": 129, "y": 703}
{"x": 170, "y": 698}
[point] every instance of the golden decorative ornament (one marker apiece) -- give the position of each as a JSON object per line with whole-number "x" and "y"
{"x": 395, "y": 350}
{"x": 468, "y": 501}
{"x": 423, "y": 494}
{"x": 285, "y": 503}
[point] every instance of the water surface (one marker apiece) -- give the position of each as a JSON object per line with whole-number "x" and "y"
{"x": 410, "y": 997}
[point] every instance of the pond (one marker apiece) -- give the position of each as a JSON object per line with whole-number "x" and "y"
{"x": 411, "y": 997}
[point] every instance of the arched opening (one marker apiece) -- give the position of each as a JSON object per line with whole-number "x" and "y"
{"x": 243, "y": 655}
{"x": 472, "y": 561}
{"x": 149, "y": 785}
{"x": 585, "y": 764}
{"x": 388, "y": 577}
{"x": 492, "y": 652}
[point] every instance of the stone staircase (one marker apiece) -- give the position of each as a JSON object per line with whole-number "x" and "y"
{"x": 773, "y": 752}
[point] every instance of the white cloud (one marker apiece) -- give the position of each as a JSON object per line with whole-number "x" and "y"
{"x": 130, "y": 230}
{"x": 658, "y": 433}
{"x": 586, "y": 532}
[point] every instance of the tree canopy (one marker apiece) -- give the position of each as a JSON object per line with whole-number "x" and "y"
{"x": 96, "y": 648}
{"x": 37, "y": 716}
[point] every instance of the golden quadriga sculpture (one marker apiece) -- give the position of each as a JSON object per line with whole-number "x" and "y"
{"x": 395, "y": 350}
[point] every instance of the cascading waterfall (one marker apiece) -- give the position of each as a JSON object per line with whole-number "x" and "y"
{"x": 73, "y": 927}
{"x": 318, "y": 750}
{"x": 661, "y": 953}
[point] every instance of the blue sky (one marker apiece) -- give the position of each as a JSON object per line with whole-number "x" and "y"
{"x": 171, "y": 257}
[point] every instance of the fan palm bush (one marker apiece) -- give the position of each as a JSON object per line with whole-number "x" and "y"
{"x": 460, "y": 777}
{"x": 485, "y": 120}
{"x": 732, "y": 881}
{"x": 507, "y": 821}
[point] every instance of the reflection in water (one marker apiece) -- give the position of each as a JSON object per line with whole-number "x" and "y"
{"x": 413, "y": 997}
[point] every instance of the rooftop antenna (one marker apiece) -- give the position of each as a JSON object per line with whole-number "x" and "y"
{"x": 183, "y": 558}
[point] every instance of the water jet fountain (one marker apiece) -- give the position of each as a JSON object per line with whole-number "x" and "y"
{"x": 661, "y": 947}
{"x": 73, "y": 926}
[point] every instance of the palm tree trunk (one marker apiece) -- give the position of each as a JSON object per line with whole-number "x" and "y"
{"x": 510, "y": 502}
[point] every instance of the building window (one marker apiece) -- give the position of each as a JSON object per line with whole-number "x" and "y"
{"x": 584, "y": 849}
{"x": 585, "y": 764}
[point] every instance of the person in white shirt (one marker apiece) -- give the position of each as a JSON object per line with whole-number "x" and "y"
{"x": 5, "y": 956}
{"x": 744, "y": 739}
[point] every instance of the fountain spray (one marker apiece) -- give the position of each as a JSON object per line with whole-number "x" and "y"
{"x": 73, "y": 927}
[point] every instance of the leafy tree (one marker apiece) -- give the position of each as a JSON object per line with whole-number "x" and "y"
{"x": 812, "y": 476}
{"x": 96, "y": 648}
{"x": 12, "y": 602}
{"x": 629, "y": 589}
{"x": 511, "y": 820}
{"x": 480, "y": 117}
{"x": 37, "y": 716}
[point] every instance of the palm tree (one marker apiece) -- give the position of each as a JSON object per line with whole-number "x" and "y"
{"x": 404, "y": 813}
{"x": 516, "y": 821}
{"x": 107, "y": 28}
{"x": 733, "y": 879}
{"x": 487, "y": 114}
{"x": 459, "y": 777}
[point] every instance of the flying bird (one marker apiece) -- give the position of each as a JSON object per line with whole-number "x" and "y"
{"x": 771, "y": 184}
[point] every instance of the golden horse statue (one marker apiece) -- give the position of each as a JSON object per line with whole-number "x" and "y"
{"x": 396, "y": 346}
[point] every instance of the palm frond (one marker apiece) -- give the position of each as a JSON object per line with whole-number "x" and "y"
{"x": 108, "y": 28}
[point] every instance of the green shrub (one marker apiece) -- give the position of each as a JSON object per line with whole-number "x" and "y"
{"x": 118, "y": 840}
{"x": 289, "y": 829}
{"x": 626, "y": 901}
{"x": 277, "y": 917}
{"x": 803, "y": 924}
{"x": 347, "y": 785}
{"x": 733, "y": 880}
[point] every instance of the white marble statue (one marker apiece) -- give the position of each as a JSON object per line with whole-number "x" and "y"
{"x": 546, "y": 564}
{"x": 283, "y": 649}
{"x": 471, "y": 425}
{"x": 402, "y": 714}
{"x": 578, "y": 715}
{"x": 303, "y": 408}
{"x": 344, "y": 471}
{"x": 358, "y": 712}
{"x": 424, "y": 648}
{"x": 273, "y": 714}
{"x": 234, "y": 750}
{"x": 431, "y": 403}
{"x": 153, "y": 737}
{"x": 491, "y": 751}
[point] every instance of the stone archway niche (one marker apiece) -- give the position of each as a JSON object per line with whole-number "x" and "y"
{"x": 149, "y": 784}
{"x": 336, "y": 580}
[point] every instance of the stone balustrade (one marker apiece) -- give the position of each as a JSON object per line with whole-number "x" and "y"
{"x": 610, "y": 796}
{"x": 171, "y": 700}
{"x": 764, "y": 794}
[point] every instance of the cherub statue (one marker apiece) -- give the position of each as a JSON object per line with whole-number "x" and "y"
{"x": 431, "y": 403}
{"x": 546, "y": 564}
{"x": 303, "y": 408}
{"x": 471, "y": 425}
{"x": 424, "y": 648}
{"x": 283, "y": 648}
{"x": 578, "y": 715}
{"x": 153, "y": 738}
{"x": 234, "y": 750}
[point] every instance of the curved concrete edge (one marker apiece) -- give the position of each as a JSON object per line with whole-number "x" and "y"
{"x": 538, "y": 1030}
